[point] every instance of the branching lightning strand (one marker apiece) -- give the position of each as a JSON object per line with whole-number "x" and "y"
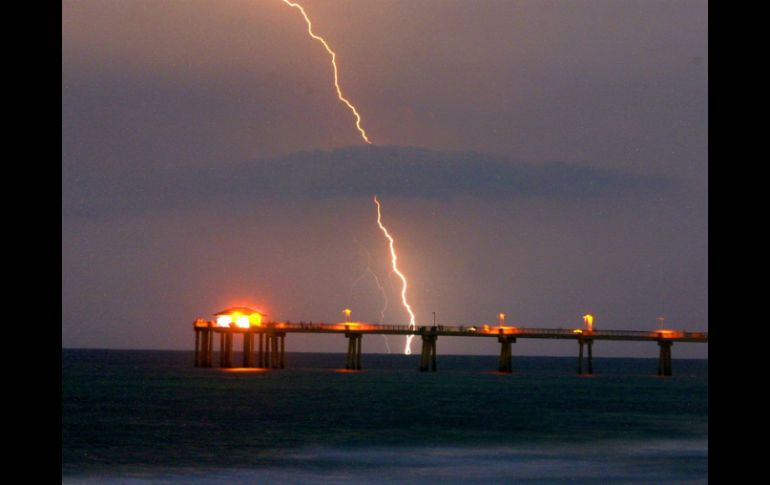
{"x": 369, "y": 270}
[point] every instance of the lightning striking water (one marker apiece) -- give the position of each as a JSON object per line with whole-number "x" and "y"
{"x": 394, "y": 260}
{"x": 334, "y": 65}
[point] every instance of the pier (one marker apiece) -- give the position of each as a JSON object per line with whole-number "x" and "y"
{"x": 271, "y": 339}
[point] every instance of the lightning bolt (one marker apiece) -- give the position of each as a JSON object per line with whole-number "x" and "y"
{"x": 334, "y": 65}
{"x": 394, "y": 260}
{"x": 368, "y": 270}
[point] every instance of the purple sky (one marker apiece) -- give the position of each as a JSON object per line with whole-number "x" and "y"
{"x": 542, "y": 158}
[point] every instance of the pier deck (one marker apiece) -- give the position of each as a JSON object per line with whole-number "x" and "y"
{"x": 271, "y": 338}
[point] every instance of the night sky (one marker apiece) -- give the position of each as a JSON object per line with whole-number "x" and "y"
{"x": 541, "y": 158}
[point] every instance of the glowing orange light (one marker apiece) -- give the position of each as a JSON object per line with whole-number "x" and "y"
{"x": 334, "y": 65}
{"x": 346, "y": 312}
{"x": 501, "y": 318}
{"x": 243, "y": 369}
{"x": 356, "y": 326}
{"x": 589, "y": 321}
{"x": 394, "y": 259}
{"x": 241, "y": 317}
{"x": 577, "y": 330}
{"x": 669, "y": 333}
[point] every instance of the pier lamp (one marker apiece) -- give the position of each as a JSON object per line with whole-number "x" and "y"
{"x": 240, "y": 317}
{"x": 589, "y": 321}
{"x": 346, "y": 312}
{"x": 501, "y": 318}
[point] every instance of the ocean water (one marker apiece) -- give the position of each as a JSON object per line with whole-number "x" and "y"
{"x": 139, "y": 417}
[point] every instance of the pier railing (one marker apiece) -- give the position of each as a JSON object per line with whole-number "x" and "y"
{"x": 486, "y": 330}
{"x": 466, "y": 331}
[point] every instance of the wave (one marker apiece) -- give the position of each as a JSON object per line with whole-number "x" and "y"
{"x": 660, "y": 461}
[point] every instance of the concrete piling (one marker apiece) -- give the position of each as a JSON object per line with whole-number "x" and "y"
{"x": 248, "y": 351}
{"x": 348, "y": 359}
{"x": 590, "y": 344}
{"x": 261, "y": 352}
{"x": 353, "y": 360}
{"x": 197, "y": 348}
{"x": 428, "y": 354}
{"x": 505, "y": 353}
{"x": 208, "y": 345}
{"x": 222, "y": 349}
{"x": 228, "y": 350}
{"x": 664, "y": 361}
{"x": 267, "y": 351}
{"x": 580, "y": 357}
{"x": 274, "y": 351}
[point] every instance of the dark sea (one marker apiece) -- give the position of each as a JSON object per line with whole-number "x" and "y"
{"x": 136, "y": 417}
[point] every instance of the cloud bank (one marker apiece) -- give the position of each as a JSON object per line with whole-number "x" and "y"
{"x": 349, "y": 172}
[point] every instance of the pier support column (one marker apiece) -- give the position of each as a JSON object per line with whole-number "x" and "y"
{"x": 267, "y": 351}
{"x": 428, "y": 356}
{"x": 358, "y": 352}
{"x": 353, "y": 361}
{"x": 505, "y": 353}
{"x": 276, "y": 352}
{"x": 580, "y": 356}
{"x": 208, "y": 339}
{"x": 275, "y": 348}
{"x": 273, "y": 351}
{"x": 228, "y": 349}
{"x": 261, "y": 351}
{"x": 590, "y": 343}
{"x": 664, "y": 362}
{"x": 349, "y": 356}
{"x": 248, "y": 349}
{"x": 222, "y": 349}
{"x": 254, "y": 356}
{"x": 197, "y": 348}
{"x": 203, "y": 350}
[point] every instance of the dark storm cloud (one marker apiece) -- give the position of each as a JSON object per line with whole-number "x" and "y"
{"x": 351, "y": 172}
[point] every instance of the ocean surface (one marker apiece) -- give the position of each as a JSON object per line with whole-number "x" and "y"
{"x": 136, "y": 417}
